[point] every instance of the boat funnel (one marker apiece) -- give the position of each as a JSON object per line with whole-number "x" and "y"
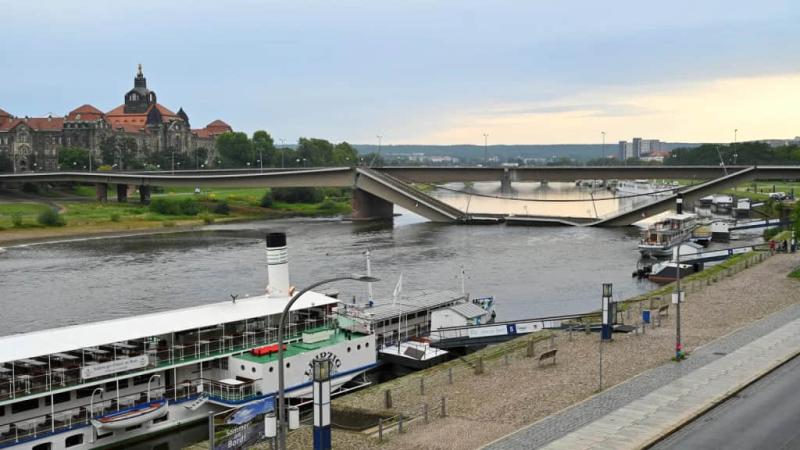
{"x": 679, "y": 204}
{"x": 277, "y": 266}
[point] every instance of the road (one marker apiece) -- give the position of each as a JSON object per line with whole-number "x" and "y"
{"x": 764, "y": 415}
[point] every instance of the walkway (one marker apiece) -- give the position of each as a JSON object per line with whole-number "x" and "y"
{"x": 646, "y": 408}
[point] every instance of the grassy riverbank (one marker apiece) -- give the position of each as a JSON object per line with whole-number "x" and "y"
{"x": 20, "y": 220}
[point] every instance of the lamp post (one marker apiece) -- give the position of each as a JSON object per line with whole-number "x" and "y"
{"x": 155, "y": 375}
{"x": 283, "y": 153}
{"x": 486, "y": 149}
{"x": 604, "y": 143}
{"x": 677, "y": 298}
{"x": 284, "y": 314}
{"x": 605, "y": 332}
{"x": 173, "y": 162}
{"x": 735, "y": 155}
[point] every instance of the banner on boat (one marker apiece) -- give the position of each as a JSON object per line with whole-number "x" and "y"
{"x": 241, "y": 427}
{"x": 112, "y": 367}
{"x": 512, "y": 328}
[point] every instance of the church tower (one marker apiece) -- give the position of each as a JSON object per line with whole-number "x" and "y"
{"x": 138, "y": 99}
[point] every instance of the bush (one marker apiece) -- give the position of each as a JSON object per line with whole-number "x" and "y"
{"x": 770, "y": 233}
{"x": 266, "y": 200}
{"x": 222, "y": 208}
{"x": 16, "y": 219}
{"x": 168, "y": 224}
{"x": 208, "y": 219}
{"x": 327, "y": 204}
{"x": 30, "y": 188}
{"x": 51, "y": 218}
{"x": 297, "y": 195}
{"x": 175, "y": 207}
{"x": 115, "y": 217}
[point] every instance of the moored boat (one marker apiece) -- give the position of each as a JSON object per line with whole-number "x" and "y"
{"x": 659, "y": 238}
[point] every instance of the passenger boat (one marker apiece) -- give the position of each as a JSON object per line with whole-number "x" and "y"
{"x": 642, "y": 187}
{"x": 659, "y": 238}
{"x": 106, "y": 383}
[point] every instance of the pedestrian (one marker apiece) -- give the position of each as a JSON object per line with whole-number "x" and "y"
{"x": 785, "y": 246}
{"x": 771, "y": 246}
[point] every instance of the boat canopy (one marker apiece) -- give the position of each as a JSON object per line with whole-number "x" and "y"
{"x": 38, "y": 343}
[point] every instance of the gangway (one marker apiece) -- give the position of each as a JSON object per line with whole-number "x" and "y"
{"x": 761, "y": 224}
{"x": 719, "y": 255}
{"x": 492, "y": 333}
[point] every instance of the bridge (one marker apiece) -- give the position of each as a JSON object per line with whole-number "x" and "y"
{"x": 375, "y": 191}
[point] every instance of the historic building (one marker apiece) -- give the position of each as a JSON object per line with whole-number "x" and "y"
{"x": 33, "y": 143}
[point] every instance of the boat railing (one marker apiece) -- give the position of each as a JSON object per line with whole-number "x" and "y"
{"x": 228, "y": 393}
{"x": 21, "y": 381}
{"x": 76, "y": 416}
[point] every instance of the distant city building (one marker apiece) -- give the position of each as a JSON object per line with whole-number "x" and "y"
{"x": 33, "y": 142}
{"x": 780, "y": 142}
{"x": 638, "y": 147}
{"x": 423, "y": 158}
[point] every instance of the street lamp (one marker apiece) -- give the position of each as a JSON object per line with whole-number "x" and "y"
{"x": 155, "y": 375}
{"x": 604, "y": 143}
{"x": 321, "y": 376}
{"x": 486, "y": 149}
{"x": 284, "y": 314}
{"x": 735, "y": 155}
{"x": 283, "y": 153}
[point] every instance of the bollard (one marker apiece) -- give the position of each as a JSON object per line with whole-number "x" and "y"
{"x": 400, "y": 424}
{"x": 380, "y": 430}
{"x": 450, "y": 375}
{"x": 387, "y": 398}
{"x": 425, "y": 411}
{"x": 587, "y": 328}
{"x": 444, "y": 407}
{"x": 479, "y": 366}
{"x": 531, "y": 350}
{"x": 552, "y": 341}
{"x": 570, "y": 333}
{"x": 505, "y": 359}
{"x": 421, "y": 386}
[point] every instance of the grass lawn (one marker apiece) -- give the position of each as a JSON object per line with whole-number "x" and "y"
{"x": 26, "y": 211}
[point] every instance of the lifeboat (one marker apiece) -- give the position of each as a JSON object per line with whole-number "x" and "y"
{"x": 132, "y": 416}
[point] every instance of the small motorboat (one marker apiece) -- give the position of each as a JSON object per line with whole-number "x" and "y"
{"x": 136, "y": 415}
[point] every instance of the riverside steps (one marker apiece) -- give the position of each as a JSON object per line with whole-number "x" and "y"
{"x": 517, "y": 403}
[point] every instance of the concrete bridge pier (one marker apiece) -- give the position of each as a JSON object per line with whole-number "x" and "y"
{"x": 101, "y": 190}
{"x": 370, "y": 207}
{"x": 144, "y": 194}
{"x": 122, "y": 193}
{"x": 505, "y": 182}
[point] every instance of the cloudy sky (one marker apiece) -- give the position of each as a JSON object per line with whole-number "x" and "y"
{"x": 423, "y": 72}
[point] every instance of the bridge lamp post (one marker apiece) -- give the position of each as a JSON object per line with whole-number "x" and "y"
{"x": 604, "y": 143}
{"x": 486, "y": 148}
{"x": 281, "y": 366}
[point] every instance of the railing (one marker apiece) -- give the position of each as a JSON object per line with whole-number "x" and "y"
{"x": 20, "y": 383}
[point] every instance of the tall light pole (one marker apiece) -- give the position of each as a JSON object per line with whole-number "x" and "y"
{"x": 283, "y": 152}
{"x": 677, "y": 297}
{"x": 173, "y": 161}
{"x": 735, "y": 154}
{"x": 377, "y": 155}
{"x": 486, "y": 149}
{"x": 604, "y": 143}
{"x": 281, "y": 387}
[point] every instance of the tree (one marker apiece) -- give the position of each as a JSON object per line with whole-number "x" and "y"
{"x": 264, "y": 148}
{"x": 6, "y": 164}
{"x": 314, "y": 152}
{"x": 235, "y": 149}
{"x": 70, "y": 158}
{"x": 345, "y": 155}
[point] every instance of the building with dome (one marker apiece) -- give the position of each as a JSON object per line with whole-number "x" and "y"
{"x": 134, "y": 134}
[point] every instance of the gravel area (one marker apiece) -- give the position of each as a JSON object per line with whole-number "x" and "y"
{"x": 516, "y": 392}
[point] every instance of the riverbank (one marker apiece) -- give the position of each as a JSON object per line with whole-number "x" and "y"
{"x": 85, "y": 217}
{"x": 515, "y": 390}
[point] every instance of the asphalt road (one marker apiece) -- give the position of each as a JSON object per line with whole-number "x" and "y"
{"x": 765, "y": 415}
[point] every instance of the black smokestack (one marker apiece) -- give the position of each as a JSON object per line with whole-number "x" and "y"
{"x": 679, "y": 204}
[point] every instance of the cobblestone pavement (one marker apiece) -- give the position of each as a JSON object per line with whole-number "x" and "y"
{"x": 571, "y": 419}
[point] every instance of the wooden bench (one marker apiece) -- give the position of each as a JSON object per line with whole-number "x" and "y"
{"x": 663, "y": 311}
{"x": 550, "y": 354}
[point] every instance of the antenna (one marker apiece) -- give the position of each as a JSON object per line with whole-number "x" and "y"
{"x": 234, "y": 297}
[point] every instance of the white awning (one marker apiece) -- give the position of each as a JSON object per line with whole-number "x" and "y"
{"x": 75, "y": 337}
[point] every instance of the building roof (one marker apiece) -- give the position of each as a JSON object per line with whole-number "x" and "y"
{"x": 85, "y": 112}
{"x": 212, "y": 129}
{"x": 218, "y": 124}
{"x": 468, "y": 310}
{"x": 35, "y": 123}
{"x": 136, "y": 122}
{"x": 57, "y": 340}
{"x": 4, "y": 114}
{"x": 407, "y": 303}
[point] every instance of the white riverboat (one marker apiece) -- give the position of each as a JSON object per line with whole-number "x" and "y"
{"x": 660, "y": 237}
{"x": 642, "y": 187}
{"x": 111, "y": 382}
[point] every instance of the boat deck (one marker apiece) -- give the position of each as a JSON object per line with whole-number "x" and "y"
{"x": 298, "y": 346}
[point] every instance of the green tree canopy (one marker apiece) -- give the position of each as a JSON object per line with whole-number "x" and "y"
{"x": 70, "y": 158}
{"x": 264, "y": 147}
{"x": 235, "y": 150}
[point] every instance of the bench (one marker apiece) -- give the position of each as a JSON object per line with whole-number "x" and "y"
{"x": 550, "y": 354}
{"x": 663, "y": 311}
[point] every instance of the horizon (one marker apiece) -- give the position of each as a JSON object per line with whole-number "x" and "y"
{"x": 423, "y": 74}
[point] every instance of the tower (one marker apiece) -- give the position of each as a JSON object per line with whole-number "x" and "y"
{"x": 138, "y": 99}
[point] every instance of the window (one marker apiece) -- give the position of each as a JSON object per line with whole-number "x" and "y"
{"x": 288, "y": 365}
{"x": 75, "y": 439}
{"x": 358, "y": 347}
{"x": 24, "y": 405}
{"x": 2, "y": 411}
{"x": 135, "y": 427}
{"x": 141, "y": 379}
{"x": 43, "y": 446}
{"x": 58, "y": 398}
{"x": 253, "y": 369}
{"x": 348, "y": 349}
{"x": 366, "y": 345}
{"x": 85, "y": 392}
{"x": 242, "y": 366}
{"x": 103, "y": 436}
{"x": 270, "y": 369}
{"x": 161, "y": 419}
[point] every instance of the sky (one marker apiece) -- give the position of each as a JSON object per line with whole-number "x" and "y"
{"x": 421, "y": 72}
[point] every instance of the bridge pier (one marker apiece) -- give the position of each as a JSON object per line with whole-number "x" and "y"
{"x": 505, "y": 182}
{"x": 144, "y": 194}
{"x": 122, "y": 193}
{"x": 370, "y": 207}
{"x": 101, "y": 192}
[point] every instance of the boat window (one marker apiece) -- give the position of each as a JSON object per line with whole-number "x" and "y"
{"x": 43, "y": 446}
{"x": 75, "y": 439}
{"x": 57, "y": 398}
{"x": 242, "y": 366}
{"x": 358, "y": 347}
{"x": 85, "y": 392}
{"x": 103, "y": 436}
{"x": 141, "y": 379}
{"x": 161, "y": 419}
{"x": 288, "y": 365}
{"x": 253, "y": 369}
{"x": 134, "y": 427}
{"x": 2, "y": 410}
{"x": 366, "y": 345}
{"x": 271, "y": 368}
{"x": 348, "y": 349}
{"x": 24, "y": 405}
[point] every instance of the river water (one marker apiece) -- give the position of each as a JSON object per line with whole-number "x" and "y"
{"x": 532, "y": 271}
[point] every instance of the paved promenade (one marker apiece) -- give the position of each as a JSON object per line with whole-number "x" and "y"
{"x": 639, "y": 412}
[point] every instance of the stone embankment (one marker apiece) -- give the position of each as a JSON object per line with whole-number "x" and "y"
{"x": 514, "y": 389}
